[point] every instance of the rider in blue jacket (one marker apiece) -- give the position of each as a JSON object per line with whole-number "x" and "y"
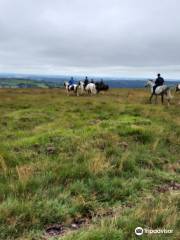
{"x": 71, "y": 81}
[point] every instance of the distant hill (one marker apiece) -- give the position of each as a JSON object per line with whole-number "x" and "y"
{"x": 27, "y": 83}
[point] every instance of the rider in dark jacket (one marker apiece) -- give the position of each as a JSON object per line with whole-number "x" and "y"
{"x": 86, "y": 81}
{"x": 159, "y": 82}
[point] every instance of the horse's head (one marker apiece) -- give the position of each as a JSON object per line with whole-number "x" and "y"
{"x": 81, "y": 84}
{"x": 66, "y": 84}
{"x": 149, "y": 83}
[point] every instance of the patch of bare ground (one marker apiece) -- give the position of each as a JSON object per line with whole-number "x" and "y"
{"x": 171, "y": 186}
{"x": 61, "y": 229}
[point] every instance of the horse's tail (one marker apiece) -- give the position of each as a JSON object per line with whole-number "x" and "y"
{"x": 76, "y": 90}
{"x": 168, "y": 92}
{"x": 95, "y": 91}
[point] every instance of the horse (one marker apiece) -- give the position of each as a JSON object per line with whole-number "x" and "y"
{"x": 90, "y": 88}
{"x": 100, "y": 86}
{"x": 162, "y": 91}
{"x": 81, "y": 86}
{"x": 178, "y": 87}
{"x": 71, "y": 88}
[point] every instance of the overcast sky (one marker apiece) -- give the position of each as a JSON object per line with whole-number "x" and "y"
{"x": 108, "y": 37}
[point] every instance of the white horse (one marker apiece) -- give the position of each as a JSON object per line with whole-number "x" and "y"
{"x": 71, "y": 88}
{"x": 90, "y": 88}
{"x": 178, "y": 87}
{"x": 81, "y": 87}
{"x": 162, "y": 91}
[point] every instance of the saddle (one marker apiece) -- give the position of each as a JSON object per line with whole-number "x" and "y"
{"x": 160, "y": 88}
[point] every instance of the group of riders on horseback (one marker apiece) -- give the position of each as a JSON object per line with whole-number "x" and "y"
{"x": 71, "y": 82}
{"x": 157, "y": 87}
{"x": 86, "y": 86}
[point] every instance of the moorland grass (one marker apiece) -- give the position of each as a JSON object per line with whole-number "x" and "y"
{"x": 63, "y": 157}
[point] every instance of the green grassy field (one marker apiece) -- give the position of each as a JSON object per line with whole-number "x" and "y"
{"x": 112, "y": 160}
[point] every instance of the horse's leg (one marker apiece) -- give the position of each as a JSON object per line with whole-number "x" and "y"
{"x": 168, "y": 102}
{"x": 82, "y": 91}
{"x": 91, "y": 91}
{"x": 156, "y": 100}
{"x": 162, "y": 98}
{"x": 150, "y": 99}
{"x": 77, "y": 93}
{"x": 168, "y": 99}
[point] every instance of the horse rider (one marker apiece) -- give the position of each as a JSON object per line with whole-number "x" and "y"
{"x": 71, "y": 82}
{"x": 86, "y": 81}
{"x": 159, "y": 82}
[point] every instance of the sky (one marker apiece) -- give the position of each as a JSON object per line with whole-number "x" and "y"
{"x": 132, "y": 38}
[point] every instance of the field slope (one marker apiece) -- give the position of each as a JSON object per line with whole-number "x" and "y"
{"x": 112, "y": 160}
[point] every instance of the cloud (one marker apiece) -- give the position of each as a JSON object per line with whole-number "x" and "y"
{"x": 115, "y": 37}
